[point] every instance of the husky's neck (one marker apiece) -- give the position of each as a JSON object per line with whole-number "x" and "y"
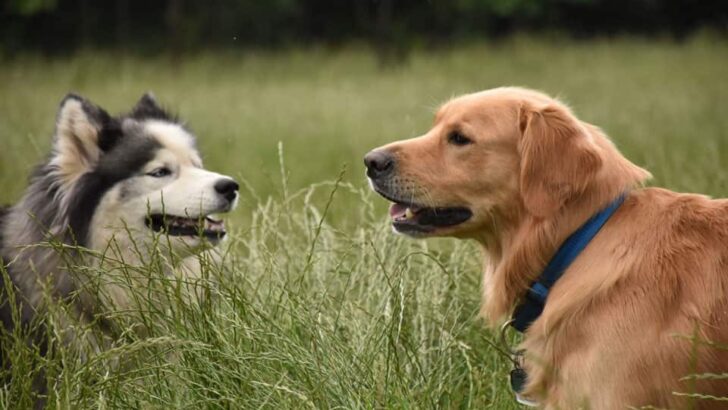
{"x": 36, "y": 235}
{"x": 40, "y": 249}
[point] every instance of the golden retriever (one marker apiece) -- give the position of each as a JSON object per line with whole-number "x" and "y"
{"x": 515, "y": 170}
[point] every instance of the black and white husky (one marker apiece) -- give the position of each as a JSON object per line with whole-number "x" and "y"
{"x": 111, "y": 186}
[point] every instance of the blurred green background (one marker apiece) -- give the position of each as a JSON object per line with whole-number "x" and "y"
{"x": 663, "y": 103}
{"x": 331, "y": 79}
{"x": 393, "y": 27}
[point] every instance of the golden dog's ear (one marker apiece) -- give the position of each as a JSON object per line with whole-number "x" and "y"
{"x": 558, "y": 158}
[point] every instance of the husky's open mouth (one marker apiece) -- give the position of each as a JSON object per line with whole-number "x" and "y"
{"x": 202, "y": 226}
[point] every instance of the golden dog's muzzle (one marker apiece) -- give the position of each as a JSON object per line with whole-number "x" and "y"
{"x": 409, "y": 216}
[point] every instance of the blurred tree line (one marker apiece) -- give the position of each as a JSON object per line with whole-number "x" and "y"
{"x": 61, "y": 26}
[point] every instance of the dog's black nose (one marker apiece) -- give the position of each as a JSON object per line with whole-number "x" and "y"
{"x": 379, "y": 163}
{"x": 228, "y": 188}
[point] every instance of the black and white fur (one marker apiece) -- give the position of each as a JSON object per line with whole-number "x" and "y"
{"x": 108, "y": 182}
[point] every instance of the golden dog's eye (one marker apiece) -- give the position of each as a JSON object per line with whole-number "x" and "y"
{"x": 457, "y": 138}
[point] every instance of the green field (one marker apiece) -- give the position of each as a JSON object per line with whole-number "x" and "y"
{"x": 318, "y": 304}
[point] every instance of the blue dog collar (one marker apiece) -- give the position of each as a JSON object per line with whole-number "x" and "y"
{"x": 534, "y": 301}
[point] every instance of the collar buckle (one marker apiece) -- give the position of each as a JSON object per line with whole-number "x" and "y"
{"x": 517, "y": 376}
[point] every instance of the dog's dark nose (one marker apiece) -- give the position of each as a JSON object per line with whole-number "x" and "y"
{"x": 379, "y": 163}
{"x": 228, "y": 188}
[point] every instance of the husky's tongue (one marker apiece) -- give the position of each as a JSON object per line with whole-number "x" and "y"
{"x": 207, "y": 226}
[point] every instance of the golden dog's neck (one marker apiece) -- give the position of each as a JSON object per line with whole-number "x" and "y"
{"x": 514, "y": 262}
{"x": 516, "y": 255}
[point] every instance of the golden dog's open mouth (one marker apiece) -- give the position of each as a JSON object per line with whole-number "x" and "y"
{"x": 415, "y": 219}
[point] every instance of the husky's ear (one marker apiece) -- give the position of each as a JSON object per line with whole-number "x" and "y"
{"x": 148, "y": 108}
{"x": 558, "y": 158}
{"x": 79, "y": 140}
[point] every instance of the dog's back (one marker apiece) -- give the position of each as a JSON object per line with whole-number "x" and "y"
{"x": 654, "y": 297}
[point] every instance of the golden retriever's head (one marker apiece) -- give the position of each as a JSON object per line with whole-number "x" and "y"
{"x": 492, "y": 159}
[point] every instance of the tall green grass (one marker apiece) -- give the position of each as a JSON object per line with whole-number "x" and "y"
{"x": 297, "y": 314}
{"x": 316, "y": 303}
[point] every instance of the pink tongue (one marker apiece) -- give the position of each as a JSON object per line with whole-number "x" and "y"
{"x": 397, "y": 210}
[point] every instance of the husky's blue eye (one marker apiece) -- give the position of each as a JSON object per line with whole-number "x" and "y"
{"x": 160, "y": 172}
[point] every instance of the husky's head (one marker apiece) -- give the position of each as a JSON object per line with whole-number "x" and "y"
{"x": 133, "y": 175}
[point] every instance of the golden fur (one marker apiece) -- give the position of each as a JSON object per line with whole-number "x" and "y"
{"x": 617, "y": 326}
